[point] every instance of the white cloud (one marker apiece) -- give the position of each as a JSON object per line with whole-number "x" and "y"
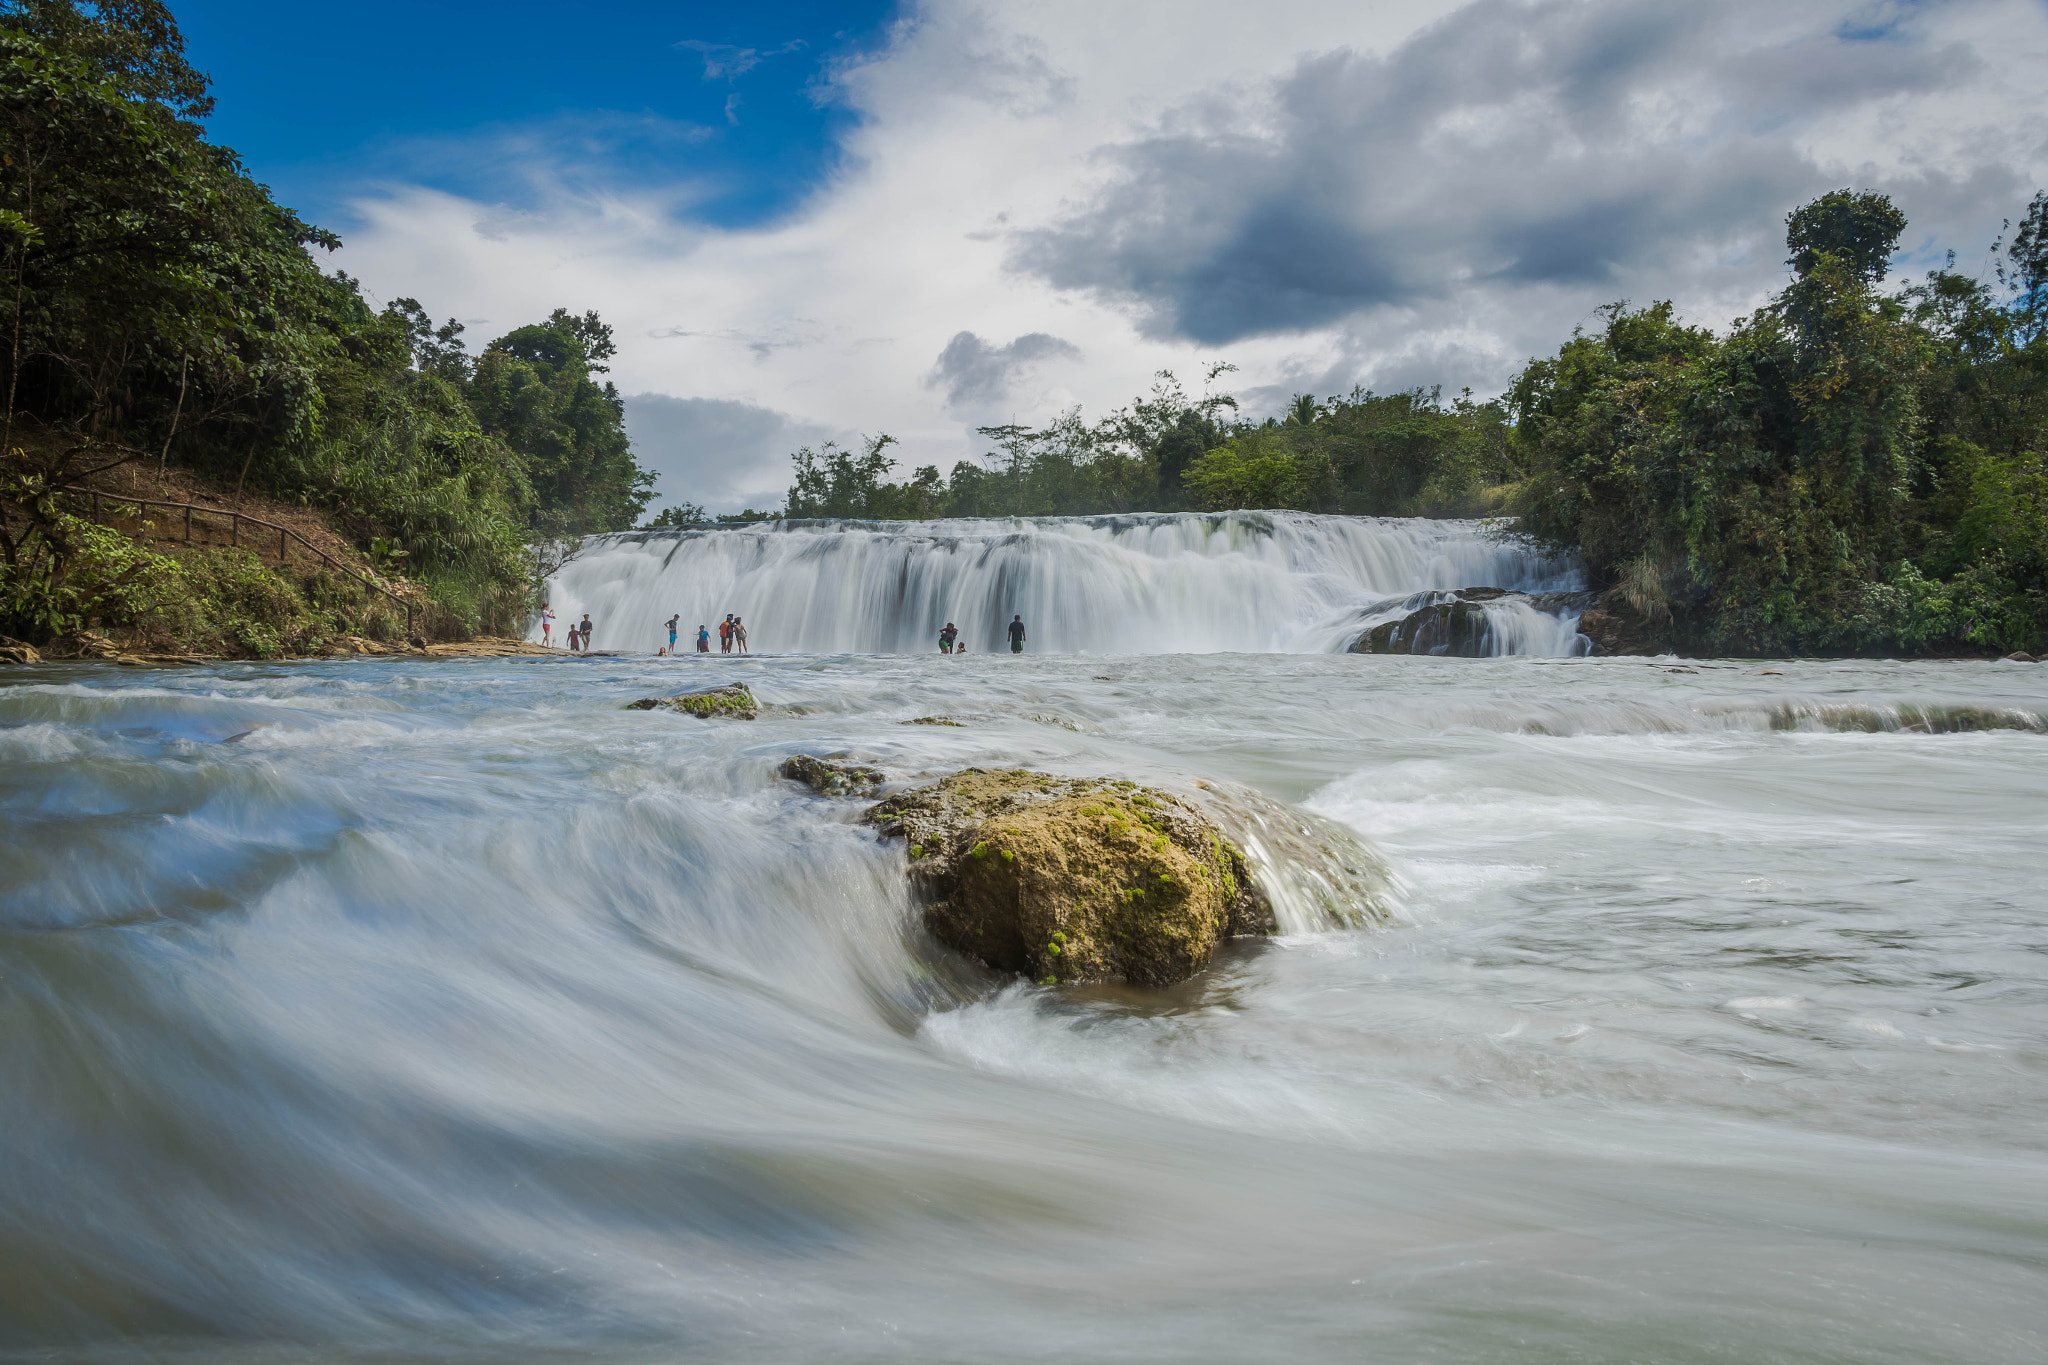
{"x": 1323, "y": 193}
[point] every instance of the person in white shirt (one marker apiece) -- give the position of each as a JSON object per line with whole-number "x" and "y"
{"x": 547, "y": 623}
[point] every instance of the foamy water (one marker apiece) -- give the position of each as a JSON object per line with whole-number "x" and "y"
{"x": 450, "y": 1013}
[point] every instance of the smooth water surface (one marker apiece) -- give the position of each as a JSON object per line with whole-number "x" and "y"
{"x": 385, "y": 1010}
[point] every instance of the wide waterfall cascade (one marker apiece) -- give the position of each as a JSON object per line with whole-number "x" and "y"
{"x": 1152, "y": 583}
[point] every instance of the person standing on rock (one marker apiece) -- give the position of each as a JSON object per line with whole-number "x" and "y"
{"x": 739, "y": 634}
{"x": 947, "y": 637}
{"x": 672, "y": 631}
{"x": 547, "y": 623}
{"x": 725, "y": 634}
{"x": 1017, "y": 634}
{"x": 586, "y": 632}
{"x": 703, "y": 639}
{"x": 575, "y": 640}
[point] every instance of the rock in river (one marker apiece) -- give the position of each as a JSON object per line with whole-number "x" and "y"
{"x": 733, "y": 702}
{"x": 1070, "y": 880}
{"x": 1455, "y": 623}
{"x": 827, "y": 778}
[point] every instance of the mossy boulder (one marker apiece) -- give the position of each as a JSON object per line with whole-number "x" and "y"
{"x": 1069, "y": 880}
{"x": 827, "y": 778}
{"x": 733, "y": 702}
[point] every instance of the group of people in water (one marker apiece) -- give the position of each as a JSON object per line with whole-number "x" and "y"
{"x": 732, "y": 635}
{"x": 579, "y": 631}
{"x": 949, "y": 638}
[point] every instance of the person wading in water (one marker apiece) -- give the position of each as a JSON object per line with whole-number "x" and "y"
{"x": 947, "y": 637}
{"x": 739, "y": 634}
{"x": 671, "y": 623}
{"x": 1017, "y": 635}
{"x": 703, "y": 640}
{"x": 725, "y": 634}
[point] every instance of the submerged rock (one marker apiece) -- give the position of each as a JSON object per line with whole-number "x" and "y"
{"x": 1068, "y": 880}
{"x": 733, "y": 702}
{"x": 1455, "y": 624}
{"x": 831, "y": 779}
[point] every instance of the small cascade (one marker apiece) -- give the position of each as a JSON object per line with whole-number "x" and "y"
{"x": 1153, "y": 583}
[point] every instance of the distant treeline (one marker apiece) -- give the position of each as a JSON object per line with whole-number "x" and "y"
{"x": 156, "y": 303}
{"x": 1399, "y": 454}
{"x": 1849, "y": 469}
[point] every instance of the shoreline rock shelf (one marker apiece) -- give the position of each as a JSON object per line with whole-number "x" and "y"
{"x": 1073, "y": 880}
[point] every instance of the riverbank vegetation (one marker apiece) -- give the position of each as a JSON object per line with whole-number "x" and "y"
{"x": 1849, "y": 469}
{"x": 157, "y": 306}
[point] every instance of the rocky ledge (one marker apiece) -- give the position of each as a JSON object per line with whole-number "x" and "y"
{"x": 733, "y": 702}
{"x": 1455, "y": 624}
{"x": 1071, "y": 880}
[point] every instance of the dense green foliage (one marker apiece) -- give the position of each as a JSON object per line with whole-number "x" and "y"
{"x": 1401, "y": 454}
{"x": 159, "y": 305}
{"x": 1848, "y": 469}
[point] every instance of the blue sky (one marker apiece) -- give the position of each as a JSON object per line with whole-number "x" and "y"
{"x": 813, "y": 221}
{"x": 723, "y": 99}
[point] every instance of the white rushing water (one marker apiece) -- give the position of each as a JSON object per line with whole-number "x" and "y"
{"x": 443, "y": 1011}
{"x": 1151, "y": 583}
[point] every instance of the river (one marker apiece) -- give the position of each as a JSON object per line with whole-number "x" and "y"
{"x": 394, "y": 1010}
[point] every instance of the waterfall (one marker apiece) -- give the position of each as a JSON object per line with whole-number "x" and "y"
{"x": 1150, "y": 583}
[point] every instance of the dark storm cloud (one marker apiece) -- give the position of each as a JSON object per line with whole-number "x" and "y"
{"x": 975, "y": 374}
{"x": 1555, "y": 144}
{"x": 716, "y": 451}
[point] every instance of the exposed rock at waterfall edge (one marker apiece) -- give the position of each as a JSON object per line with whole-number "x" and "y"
{"x": 1457, "y": 626}
{"x": 1072, "y": 880}
{"x": 1615, "y": 627}
{"x": 732, "y": 702}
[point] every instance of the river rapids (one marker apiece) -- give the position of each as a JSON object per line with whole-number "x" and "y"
{"x": 442, "y": 1011}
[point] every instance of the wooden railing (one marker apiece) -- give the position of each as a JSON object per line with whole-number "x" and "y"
{"x": 285, "y": 535}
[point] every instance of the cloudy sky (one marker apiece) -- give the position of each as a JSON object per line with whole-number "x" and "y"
{"x": 813, "y": 220}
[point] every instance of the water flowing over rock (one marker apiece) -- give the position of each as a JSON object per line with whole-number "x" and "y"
{"x": 1316, "y": 874}
{"x": 1144, "y": 583}
{"x": 1478, "y": 623}
{"x": 1069, "y": 880}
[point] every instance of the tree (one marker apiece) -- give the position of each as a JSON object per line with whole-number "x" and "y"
{"x": 682, "y": 514}
{"x": 1859, "y": 230}
{"x": 532, "y": 390}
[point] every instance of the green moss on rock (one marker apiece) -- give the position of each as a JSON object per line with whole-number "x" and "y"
{"x": 733, "y": 702}
{"x": 1088, "y": 883}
